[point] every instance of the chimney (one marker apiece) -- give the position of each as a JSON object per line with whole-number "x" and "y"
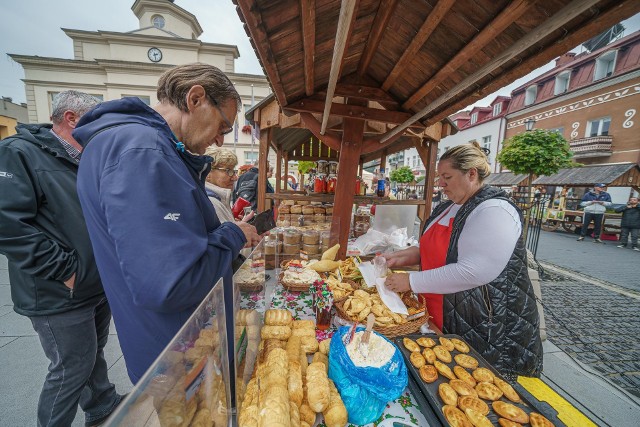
{"x": 565, "y": 59}
{"x": 7, "y": 98}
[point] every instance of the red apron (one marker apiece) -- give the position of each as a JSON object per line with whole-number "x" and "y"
{"x": 434, "y": 245}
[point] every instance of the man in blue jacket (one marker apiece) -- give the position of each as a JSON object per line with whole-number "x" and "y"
{"x": 158, "y": 243}
{"x": 595, "y": 204}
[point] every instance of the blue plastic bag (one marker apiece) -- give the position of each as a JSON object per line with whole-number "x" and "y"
{"x": 365, "y": 391}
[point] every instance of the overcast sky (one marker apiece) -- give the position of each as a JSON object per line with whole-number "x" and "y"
{"x": 32, "y": 27}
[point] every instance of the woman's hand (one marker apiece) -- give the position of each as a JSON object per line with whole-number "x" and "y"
{"x": 398, "y": 282}
{"x": 410, "y": 256}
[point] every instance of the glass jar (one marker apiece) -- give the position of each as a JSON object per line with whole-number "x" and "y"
{"x": 333, "y": 167}
{"x": 323, "y": 317}
{"x": 321, "y": 167}
{"x": 291, "y": 249}
{"x": 292, "y": 237}
{"x": 270, "y": 247}
{"x": 360, "y": 229}
{"x": 313, "y": 249}
{"x": 331, "y": 184}
{"x": 310, "y": 237}
{"x": 325, "y": 237}
{"x": 319, "y": 184}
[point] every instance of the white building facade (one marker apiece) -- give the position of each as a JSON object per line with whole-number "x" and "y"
{"x": 112, "y": 65}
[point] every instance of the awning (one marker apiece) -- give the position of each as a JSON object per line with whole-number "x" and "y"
{"x": 614, "y": 175}
{"x": 505, "y": 179}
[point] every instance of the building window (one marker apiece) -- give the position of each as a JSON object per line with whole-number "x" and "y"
{"x": 598, "y": 127}
{"x": 486, "y": 141}
{"x": 559, "y": 130}
{"x": 145, "y": 99}
{"x": 605, "y": 65}
{"x": 530, "y": 95}
{"x": 562, "y": 83}
{"x": 474, "y": 118}
{"x": 250, "y": 157}
{"x": 497, "y": 109}
{"x": 157, "y": 21}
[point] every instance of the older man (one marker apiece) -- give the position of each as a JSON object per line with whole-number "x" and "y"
{"x": 53, "y": 275}
{"x": 159, "y": 244}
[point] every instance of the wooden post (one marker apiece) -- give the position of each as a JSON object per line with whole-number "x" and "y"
{"x": 428, "y": 155}
{"x": 347, "y": 169}
{"x": 285, "y": 156}
{"x": 278, "y": 188}
{"x": 263, "y": 155}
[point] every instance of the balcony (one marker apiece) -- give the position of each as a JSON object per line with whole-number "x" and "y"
{"x": 594, "y": 146}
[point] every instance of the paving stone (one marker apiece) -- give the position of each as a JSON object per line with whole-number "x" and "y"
{"x": 5, "y": 294}
{"x": 16, "y": 325}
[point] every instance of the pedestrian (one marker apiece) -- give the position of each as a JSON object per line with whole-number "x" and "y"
{"x": 159, "y": 245}
{"x": 247, "y": 187}
{"x": 52, "y": 272}
{"x": 630, "y": 223}
{"x": 595, "y": 204}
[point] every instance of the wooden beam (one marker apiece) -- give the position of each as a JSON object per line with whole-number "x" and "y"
{"x": 380, "y": 22}
{"x": 256, "y": 31}
{"x": 263, "y": 156}
{"x": 373, "y": 145}
{"x": 566, "y": 14}
{"x": 509, "y": 14}
{"x": 308, "y": 8}
{"x": 279, "y": 171}
{"x": 373, "y": 154}
{"x": 367, "y": 92}
{"x": 345, "y": 22}
{"x": 329, "y": 139}
{"x": 352, "y": 111}
{"x": 429, "y": 157}
{"x": 430, "y": 24}
{"x": 603, "y": 19}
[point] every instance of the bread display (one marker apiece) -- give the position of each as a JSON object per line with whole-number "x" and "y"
{"x": 274, "y": 317}
{"x": 455, "y": 416}
{"x": 335, "y": 415}
{"x": 275, "y": 332}
{"x": 317, "y": 387}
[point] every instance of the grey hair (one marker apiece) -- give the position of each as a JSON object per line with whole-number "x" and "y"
{"x": 71, "y": 100}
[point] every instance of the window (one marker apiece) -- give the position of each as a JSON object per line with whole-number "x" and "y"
{"x": 486, "y": 141}
{"x": 598, "y": 127}
{"x": 559, "y": 130}
{"x": 562, "y": 83}
{"x": 250, "y": 157}
{"x": 530, "y": 95}
{"x": 474, "y": 118}
{"x": 497, "y": 109}
{"x": 157, "y": 21}
{"x": 246, "y": 108}
{"x": 145, "y": 99}
{"x": 605, "y": 65}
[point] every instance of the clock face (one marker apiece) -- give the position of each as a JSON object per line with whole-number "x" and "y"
{"x": 154, "y": 54}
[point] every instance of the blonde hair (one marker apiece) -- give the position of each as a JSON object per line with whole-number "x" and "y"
{"x": 222, "y": 157}
{"x": 468, "y": 156}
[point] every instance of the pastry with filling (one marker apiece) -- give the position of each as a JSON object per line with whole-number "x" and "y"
{"x": 488, "y": 391}
{"x": 538, "y": 420}
{"x": 446, "y": 343}
{"x": 429, "y": 355}
{"x": 462, "y": 388}
{"x": 426, "y": 342}
{"x": 447, "y": 394}
{"x": 442, "y": 353}
{"x": 460, "y": 345}
{"x": 483, "y": 375}
{"x": 428, "y": 373}
{"x": 417, "y": 360}
{"x": 508, "y": 391}
{"x": 466, "y": 361}
{"x": 464, "y": 375}
{"x": 455, "y": 416}
{"x": 508, "y": 423}
{"x": 477, "y": 419}
{"x": 510, "y": 412}
{"x": 474, "y": 403}
{"x": 410, "y": 345}
{"x": 444, "y": 370}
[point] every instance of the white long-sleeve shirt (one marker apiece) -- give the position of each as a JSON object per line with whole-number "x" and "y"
{"x": 485, "y": 245}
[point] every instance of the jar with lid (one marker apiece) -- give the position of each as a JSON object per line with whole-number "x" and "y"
{"x": 291, "y": 249}
{"x": 310, "y": 237}
{"x": 332, "y": 180}
{"x": 333, "y": 168}
{"x": 319, "y": 184}
{"x": 325, "y": 237}
{"x": 292, "y": 237}
{"x": 321, "y": 167}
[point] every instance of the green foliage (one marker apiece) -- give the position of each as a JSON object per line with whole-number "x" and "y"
{"x": 402, "y": 175}
{"x": 537, "y": 152}
{"x": 420, "y": 178}
{"x": 305, "y": 166}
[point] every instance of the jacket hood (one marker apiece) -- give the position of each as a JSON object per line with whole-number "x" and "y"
{"x": 40, "y": 135}
{"x": 118, "y": 112}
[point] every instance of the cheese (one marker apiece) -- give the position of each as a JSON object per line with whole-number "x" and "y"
{"x": 380, "y": 351}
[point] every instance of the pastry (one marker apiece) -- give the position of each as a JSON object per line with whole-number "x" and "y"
{"x": 303, "y": 324}
{"x": 303, "y": 332}
{"x": 538, "y": 420}
{"x": 442, "y": 353}
{"x": 464, "y": 375}
{"x": 293, "y": 348}
{"x": 474, "y": 403}
{"x": 309, "y": 344}
{"x": 510, "y": 412}
{"x": 410, "y": 344}
{"x": 444, "y": 370}
{"x": 275, "y": 408}
{"x": 428, "y": 373}
{"x": 202, "y": 419}
{"x": 277, "y": 317}
{"x": 483, "y": 375}
{"x": 446, "y": 343}
{"x": 426, "y": 342}
{"x": 477, "y": 419}
{"x": 488, "y": 391}
{"x": 455, "y": 416}
{"x": 429, "y": 355}
{"x": 417, "y": 360}
{"x": 447, "y": 394}
{"x": 336, "y": 413}
{"x": 294, "y": 383}
{"x": 317, "y": 387}
{"x": 294, "y": 415}
{"x": 466, "y": 361}
{"x": 462, "y": 388}
{"x": 322, "y": 358}
{"x": 508, "y": 391}
{"x": 306, "y": 414}
{"x": 508, "y": 423}
{"x": 460, "y": 345}
{"x": 324, "y": 346}
{"x": 275, "y": 332}
{"x": 248, "y": 416}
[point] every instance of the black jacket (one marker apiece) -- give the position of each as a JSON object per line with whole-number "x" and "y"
{"x": 42, "y": 230}
{"x": 630, "y": 216}
{"x": 247, "y": 188}
{"x": 500, "y": 319}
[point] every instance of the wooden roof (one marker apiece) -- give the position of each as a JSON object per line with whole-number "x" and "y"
{"x": 504, "y": 179}
{"x": 613, "y": 175}
{"x": 420, "y": 60}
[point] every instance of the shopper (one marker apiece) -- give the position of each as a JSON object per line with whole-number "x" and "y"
{"x": 595, "y": 204}
{"x": 221, "y": 179}
{"x": 247, "y": 187}
{"x": 483, "y": 295}
{"x": 630, "y": 223}
{"x": 159, "y": 245}
{"x": 52, "y": 272}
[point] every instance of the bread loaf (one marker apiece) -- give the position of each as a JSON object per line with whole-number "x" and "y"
{"x": 336, "y": 413}
{"x": 317, "y": 387}
{"x": 277, "y": 317}
{"x": 277, "y": 332}
{"x": 295, "y": 383}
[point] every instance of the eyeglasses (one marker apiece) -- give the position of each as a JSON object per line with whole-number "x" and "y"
{"x": 230, "y": 172}
{"x": 226, "y": 121}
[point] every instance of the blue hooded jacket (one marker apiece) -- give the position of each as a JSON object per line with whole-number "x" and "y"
{"x": 158, "y": 243}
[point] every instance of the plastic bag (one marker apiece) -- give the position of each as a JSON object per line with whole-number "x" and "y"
{"x": 365, "y": 391}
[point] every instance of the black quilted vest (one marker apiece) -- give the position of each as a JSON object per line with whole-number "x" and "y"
{"x": 500, "y": 319}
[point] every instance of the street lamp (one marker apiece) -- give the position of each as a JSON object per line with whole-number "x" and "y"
{"x": 528, "y": 124}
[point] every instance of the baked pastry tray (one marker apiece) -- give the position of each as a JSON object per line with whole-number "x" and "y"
{"x": 429, "y": 391}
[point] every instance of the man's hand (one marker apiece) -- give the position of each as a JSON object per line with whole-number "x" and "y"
{"x": 398, "y": 282}
{"x": 250, "y": 233}
{"x": 71, "y": 281}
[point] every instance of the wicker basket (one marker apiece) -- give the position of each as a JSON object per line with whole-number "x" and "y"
{"x": 354, "y": 285}
{"x": 389, "y": 331}
{"x": 250, "y": 287}
{"x": 293, "y": 288}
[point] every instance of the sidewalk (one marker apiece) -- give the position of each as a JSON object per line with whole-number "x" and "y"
{"x": 23, "y": 365}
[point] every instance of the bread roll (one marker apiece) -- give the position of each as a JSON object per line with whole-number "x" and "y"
{"x": 294, "y": 415}
{"x": 293, "y": 348}
{"x": 295, "y": 383}
{"x": 319, "y": 357}
{"x": 202, "y": 419}
{"x": 336, "y": 413}
{"x": 309, "y": 344}
{"x": 303, "y": 332}
{"x": 317, "y": 387}
{"x": 324, "y": 346}
{"x": 307, "y": 415}
{"x": 277, "y": 317}
{"x": 248, "y": 416}
{"x": 304, "y": 324}
{"x": 277, "y": 332}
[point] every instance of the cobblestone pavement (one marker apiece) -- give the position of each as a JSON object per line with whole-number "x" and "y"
{"x": 596, "y": 326}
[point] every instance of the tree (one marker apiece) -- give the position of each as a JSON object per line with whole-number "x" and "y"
{"x": 402, "y": 175}
{"x": 537, "y": 152}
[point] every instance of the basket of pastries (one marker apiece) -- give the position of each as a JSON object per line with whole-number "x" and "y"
{"x": 249, "y": 279}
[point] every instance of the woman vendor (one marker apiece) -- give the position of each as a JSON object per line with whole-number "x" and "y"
{"x": 474, "y": 267}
